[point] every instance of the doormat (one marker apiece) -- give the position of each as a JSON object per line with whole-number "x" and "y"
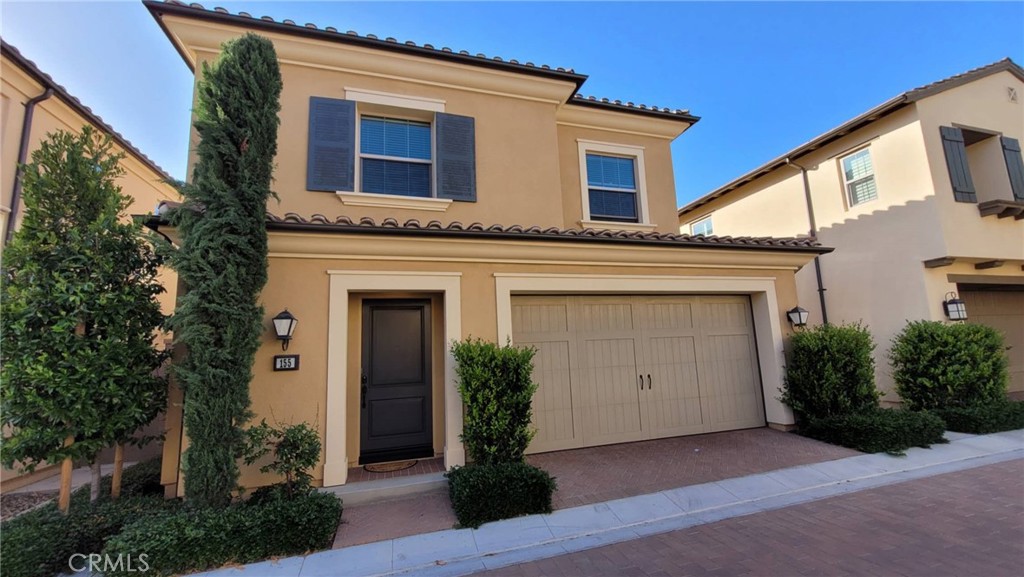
{"x": 389, "y": 467}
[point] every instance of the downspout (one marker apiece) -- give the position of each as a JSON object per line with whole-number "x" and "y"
{"x": 814, "y": 235}
{"x": 26, "y": 130}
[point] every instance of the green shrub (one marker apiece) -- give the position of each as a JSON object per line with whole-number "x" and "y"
{"x": 296, "y": 449}
{"x": 830, "y": 372}
{"x": 497, "y": 389}
{"x": 484, "y": 493}
{"x": 984, "y": 418}
{"x": 882, "y": 430}
{"x": 196, "y": 539}
{"x": 938, "y": 365}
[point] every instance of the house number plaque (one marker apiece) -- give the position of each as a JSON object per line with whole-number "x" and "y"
{"x": 286, "y": 362}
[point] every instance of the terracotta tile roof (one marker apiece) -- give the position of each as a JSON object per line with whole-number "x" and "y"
{"x": 344, "y": 224}
{"x": 330, "y": 33}
{"x": 864, "y": 119}
{"x": 48, "y": 82}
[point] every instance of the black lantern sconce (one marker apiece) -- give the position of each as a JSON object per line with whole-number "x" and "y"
{"x": 284, "y": 326}
{"x": 955, "y": 308}
{"x": 797, "y": 316}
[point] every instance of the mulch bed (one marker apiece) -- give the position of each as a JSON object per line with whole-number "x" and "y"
{"x": 13, "y": 504}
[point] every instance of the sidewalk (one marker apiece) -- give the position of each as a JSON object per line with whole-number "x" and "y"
{"x": 503, "y": 543}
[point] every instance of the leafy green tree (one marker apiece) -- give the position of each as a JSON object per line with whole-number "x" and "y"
{"x": 79, "y": 310}
{"x": 222, "y": 260}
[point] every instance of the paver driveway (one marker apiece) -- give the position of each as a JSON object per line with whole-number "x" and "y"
{"x": 968, "y": 523}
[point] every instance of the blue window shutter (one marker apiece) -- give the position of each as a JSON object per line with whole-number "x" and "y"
{"x": 956, "y": 161}
{"x": 1014, "y": 166}
{"x": 330, "y": 161}
{"x": 456, "y": 157}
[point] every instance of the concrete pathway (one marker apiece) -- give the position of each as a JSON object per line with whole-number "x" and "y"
{"x": 80, "y": 476}
{"x": 513, "y": 541}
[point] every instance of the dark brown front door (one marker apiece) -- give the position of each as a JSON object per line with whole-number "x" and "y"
{"x": 395, "y": 381}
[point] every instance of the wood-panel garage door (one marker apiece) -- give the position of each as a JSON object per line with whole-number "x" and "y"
{"x": 1003, "y": 311}
{"x": 614, "y": 369}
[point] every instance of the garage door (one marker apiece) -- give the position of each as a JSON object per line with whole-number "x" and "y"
{"x": 1004, "y": 311}
{"x": 614, "y": 369}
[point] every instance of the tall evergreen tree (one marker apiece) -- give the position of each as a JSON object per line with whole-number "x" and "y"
{"x": 79, "y": 310}
{"x": 222, "y": 259}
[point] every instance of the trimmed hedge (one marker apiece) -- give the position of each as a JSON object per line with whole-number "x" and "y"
{"x": 190, "y": 540}
{"x": 484, "y": 493}
{"x": 939, "y": 366}
{"x": 830, "y": 372}
{"x": 984, "y": 418}
{"x": 890, "y": 431}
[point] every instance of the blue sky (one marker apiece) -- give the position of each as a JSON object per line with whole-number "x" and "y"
{"x": 765, "y": 77}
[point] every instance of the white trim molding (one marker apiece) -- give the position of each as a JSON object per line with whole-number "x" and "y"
{"x": 396, "y": 100}
{"x": 625, "y": 150}
{"x": 763, "y": 301}
{"x": 393, "y": 201}
{"x": 342, "y": 283}
{"x": 630, "y": 226}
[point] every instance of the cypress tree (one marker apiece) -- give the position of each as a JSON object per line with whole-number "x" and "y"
{"x": 222, "y": 260}
{"x": 79, "y": 310}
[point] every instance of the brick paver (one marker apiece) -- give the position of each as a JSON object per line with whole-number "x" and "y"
{"x": 600, "y": 474}
{"x": 967, "y": 523}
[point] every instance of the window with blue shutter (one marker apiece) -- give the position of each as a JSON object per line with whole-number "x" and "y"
{"x": 330, "y": 162}
{"x": 956, "y": 161}
{"x": 611, "y": 185}
{"x": 395, "y": 156}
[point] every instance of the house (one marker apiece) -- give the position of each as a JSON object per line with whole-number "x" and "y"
{"x": 923, "y": 199}
{"x": 33, "y": 106}
{"x": 428, "y": 195}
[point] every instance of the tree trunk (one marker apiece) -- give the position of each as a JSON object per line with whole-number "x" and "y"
{"x": 94, "y": 492}
{"x": 115, "y": 482}
{"x": 66, "y": 467}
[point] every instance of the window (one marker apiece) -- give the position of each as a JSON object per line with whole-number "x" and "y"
{"x": 702, "y": 227}
{"x": 395, "y": 156}
{"x": 859, "y": 177}
{"x": 611, "y": 187}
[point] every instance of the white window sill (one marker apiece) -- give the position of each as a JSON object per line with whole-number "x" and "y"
{"x": 393, "y": 201}
{"x": 612, "y": 225}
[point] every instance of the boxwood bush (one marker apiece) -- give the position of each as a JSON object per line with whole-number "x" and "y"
{"x": 890, "y": 431}
{"x": 190, "y": 540}
{"x": 830, "y": 372}
{"x": 984, "y": 418}
{"x": 939, "y": 366}
{"x": 484, "y": 493}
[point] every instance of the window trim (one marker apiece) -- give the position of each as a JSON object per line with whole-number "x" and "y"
{"x": 624, "y": 150}
{"x": 847, "y": 197}
{"x": 700, "y": 220}
{"x": 359, "y": 155}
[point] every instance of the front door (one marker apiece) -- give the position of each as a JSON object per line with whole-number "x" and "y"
{"x": 395, "y": 381}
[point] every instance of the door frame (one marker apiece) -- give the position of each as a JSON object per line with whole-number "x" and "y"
{"x": 427, "y": 335}
{"x": 342, "y": 284}
{"x": 763, "y": 300}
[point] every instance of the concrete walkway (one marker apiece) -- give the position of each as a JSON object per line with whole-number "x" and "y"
{"x": 80, "y": 476}
{"x": 504, "y": 543}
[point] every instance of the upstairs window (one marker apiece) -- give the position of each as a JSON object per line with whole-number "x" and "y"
{"x": 611, "y": 186}
{"x": 859, "y": 178}
{"x": 702, "y": 227}
{"x": 395, "y": 156}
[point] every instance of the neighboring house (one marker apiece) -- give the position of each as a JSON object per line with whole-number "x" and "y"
{"x": 921, "y": 196}
{"x": 428, "y": 195}
{"x": 33, "y": 106}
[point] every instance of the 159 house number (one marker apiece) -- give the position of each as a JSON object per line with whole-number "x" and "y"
{"x": 286, "y": 362}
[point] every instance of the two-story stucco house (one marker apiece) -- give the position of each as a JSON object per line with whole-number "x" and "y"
{"x": 33, "y": 106}
{"x": 922, "y": 198}
{"x": 428, "y": 195}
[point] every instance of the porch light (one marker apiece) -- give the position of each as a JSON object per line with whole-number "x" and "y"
{"x": 284, "y": 326}
{"x": 797, "y": 316}
{"x": 955, "y": 308}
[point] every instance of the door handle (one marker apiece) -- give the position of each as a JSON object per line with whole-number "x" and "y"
{"x": 640, "y": 378}
{"x": 363, "y": 396}
{"x": 648, "y": 381}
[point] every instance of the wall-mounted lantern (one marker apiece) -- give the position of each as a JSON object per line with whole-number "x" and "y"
{"x": 284, "y": 326}
{"x": 955, "y": 308}
{"x": 797, "y": 316}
